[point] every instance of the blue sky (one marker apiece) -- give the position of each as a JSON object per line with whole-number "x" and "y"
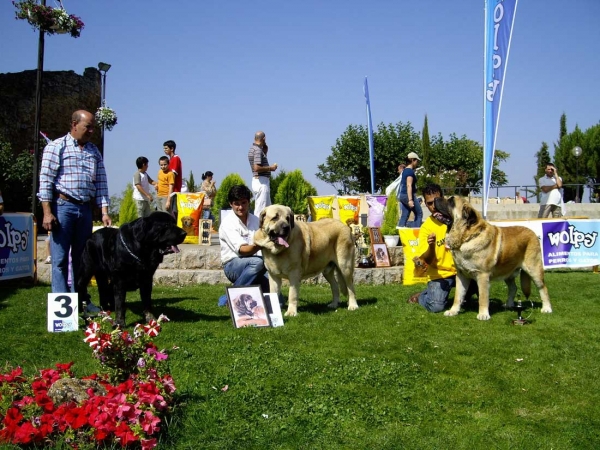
{"x": 209, "y": 74}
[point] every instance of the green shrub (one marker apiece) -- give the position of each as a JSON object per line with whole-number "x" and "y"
{"x": 220, "y": 201}
{"x": 127, "y": 211}
{"x": 293, "y": 191}
{"x": 390, "y": 217}
{"x": 275, "y": 182}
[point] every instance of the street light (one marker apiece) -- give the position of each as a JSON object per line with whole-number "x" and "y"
{"x": 577, "y": 153}
{"x": 103, "y": 68}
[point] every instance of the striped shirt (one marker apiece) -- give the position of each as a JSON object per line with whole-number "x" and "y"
{"x": 257, "y": 157}
{"x": 78, "y": 173}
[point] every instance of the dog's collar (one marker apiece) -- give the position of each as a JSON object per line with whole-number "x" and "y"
{"x": 127, "y": 248}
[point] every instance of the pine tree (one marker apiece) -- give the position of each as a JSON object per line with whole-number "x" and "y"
{"x": 191, "y": 184}
{"x": 563, "y": 127}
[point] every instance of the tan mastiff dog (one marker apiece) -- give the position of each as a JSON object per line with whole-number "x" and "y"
{"x": 484, "y": 252}
{"x": 299, "y": 250}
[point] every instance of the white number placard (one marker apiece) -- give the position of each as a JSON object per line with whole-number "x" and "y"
{"x": 63, "y": 312}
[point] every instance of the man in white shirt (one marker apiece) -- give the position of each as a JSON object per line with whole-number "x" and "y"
{"x": 551, "y": 196}
{"x": 241, "y": 259}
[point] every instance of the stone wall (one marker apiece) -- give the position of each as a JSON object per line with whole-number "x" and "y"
{"x": 62, "y": 93}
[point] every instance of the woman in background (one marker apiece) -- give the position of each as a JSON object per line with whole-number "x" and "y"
{"x": 210, "y": 190}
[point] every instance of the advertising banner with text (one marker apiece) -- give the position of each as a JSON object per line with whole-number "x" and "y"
{"x": 17, "y": 246}
{"x": 565, "y": 242}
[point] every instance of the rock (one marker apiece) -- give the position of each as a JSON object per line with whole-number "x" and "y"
{"x": 73, "y": 389}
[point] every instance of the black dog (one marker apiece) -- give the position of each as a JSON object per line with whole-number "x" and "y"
{"x": 125, "y": 259}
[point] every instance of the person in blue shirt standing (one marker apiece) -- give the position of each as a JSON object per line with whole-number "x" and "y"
{"x": 72, "y": 176}
{"x": 407, "y": 194}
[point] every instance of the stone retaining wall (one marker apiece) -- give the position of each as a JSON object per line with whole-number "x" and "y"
{"x": 198, "y": 264}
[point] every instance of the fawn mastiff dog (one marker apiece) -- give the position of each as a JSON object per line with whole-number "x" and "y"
{"x": 485, "y": 252}
{"x": 298, "y": 250}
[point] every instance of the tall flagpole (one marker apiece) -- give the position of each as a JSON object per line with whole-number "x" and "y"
{"x": 370, "y": 133}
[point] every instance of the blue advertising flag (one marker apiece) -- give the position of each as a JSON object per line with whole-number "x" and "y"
{"x": 370, "y": 131}
{"x": 499, "y": 20}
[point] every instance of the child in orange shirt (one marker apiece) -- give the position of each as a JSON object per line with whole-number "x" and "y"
{"x": 165, "y": 183}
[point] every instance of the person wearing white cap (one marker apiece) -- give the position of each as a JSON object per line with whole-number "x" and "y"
{"x": 407, "y": 194}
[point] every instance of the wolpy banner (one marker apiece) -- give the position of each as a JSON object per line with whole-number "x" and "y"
{"x": 570, "y": 243}
{"x": 499, "y": 20}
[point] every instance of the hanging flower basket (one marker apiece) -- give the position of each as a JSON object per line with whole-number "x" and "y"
{"x": 48, "y": 19}
{"x": 106, "y": 117}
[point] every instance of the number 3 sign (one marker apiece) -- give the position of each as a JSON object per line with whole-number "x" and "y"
{"x": 63, "y": 312}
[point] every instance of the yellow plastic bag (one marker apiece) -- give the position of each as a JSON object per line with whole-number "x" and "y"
{"x": 320, "y": 207}
{"x": 349, "y": 208}
{"x": 189, "y": 213}
{"x": 410, "y": 245}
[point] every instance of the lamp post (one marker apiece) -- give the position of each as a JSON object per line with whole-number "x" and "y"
{"x": 38, "y": 116}
{"x": 103, "y": 68}
{"x": 577, "y": 153}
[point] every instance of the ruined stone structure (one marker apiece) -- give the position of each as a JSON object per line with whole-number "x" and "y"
{"x": 62, "y": 93}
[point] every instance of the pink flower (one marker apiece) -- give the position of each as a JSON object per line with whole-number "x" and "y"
{"x": 150, "y": 423}
{"x": 148, "y": 444}
{"x": 168, "y": 384}
{"x": 157, "y": 355}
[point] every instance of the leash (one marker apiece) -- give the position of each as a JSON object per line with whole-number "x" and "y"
{"x": 127, "y": 248}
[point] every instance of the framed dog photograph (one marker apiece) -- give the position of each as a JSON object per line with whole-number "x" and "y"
{"x": 380, "y": 255}
{"x": 248, "y": 307}
{"x": 375, "y": 235}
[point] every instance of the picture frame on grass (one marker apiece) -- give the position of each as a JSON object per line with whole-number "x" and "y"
{"x": 248, "y": 307}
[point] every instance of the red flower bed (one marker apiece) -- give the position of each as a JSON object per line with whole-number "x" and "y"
{"x": 129, "y": 413}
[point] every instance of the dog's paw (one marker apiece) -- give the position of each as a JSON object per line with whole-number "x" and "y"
{"x": 483, "y": 316}
{"x": 451, "y": 313}
{"x": 509, "y": 305}
{"x": 289, "y": 313}
{"x": 352, "y": 307}
{"x": 546, "y": 309}
{"x": 333, "y": 305}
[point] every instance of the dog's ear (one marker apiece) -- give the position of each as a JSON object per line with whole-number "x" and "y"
{"x": 138, "y": 229}
{"x": 469, "y": 215}
{"x": 290, "y": 218}
{"x": 261, "y": 218}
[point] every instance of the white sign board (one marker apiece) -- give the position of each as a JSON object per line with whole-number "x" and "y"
{"x": 275, "y": 316}
{"x": 63, "y": 312}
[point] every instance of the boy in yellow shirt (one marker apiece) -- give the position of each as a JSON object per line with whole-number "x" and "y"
{"x": 164, "y": 184}
{"x": 440, "y": 264}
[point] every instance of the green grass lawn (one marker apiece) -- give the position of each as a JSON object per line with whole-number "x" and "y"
{"x": 387, "y": 376}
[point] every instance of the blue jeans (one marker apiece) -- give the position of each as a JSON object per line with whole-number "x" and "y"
{"x": 405, "y": 211}
{"x": 70, "y": 234}
{"x": 435, "y": 297}
{"x": 207, "y": 214}
{"x": 245, "y": 272}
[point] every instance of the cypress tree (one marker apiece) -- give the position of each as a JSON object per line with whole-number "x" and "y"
{"x": 426, "y": 146}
